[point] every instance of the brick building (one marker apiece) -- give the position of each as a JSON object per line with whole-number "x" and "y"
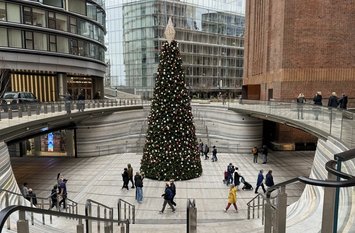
{"x": 299, "y": 46}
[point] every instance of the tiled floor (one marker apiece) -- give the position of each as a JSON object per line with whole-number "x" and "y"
{"x": 100, "y": 179}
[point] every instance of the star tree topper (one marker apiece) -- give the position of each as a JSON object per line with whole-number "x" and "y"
{"x": 169, "y": 31}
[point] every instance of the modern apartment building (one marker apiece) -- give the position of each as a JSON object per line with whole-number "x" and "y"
{"x": 49, "y": 47}
{"x": 210, "y": 36}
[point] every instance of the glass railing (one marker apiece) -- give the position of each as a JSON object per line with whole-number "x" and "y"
{"x": 13, "y": 114}
{"x": 320, "y": 120}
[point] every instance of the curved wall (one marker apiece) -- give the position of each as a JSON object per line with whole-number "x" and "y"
{"x": 125, "y": 132}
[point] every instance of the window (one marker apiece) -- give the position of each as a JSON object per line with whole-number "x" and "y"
{"x": 40, "y": 41}
{"x": 13, "y": 13}
{"x": 28, "y": 40}
{"x": 73, "y": 25}
{"x": 52, "y": 43}
{"x": 39, "y": 17}
{"x": 3, "y": 37}
{"x": 2, "y": 11}
{"x": 77, "y": 6}
{"x": 15, "y": 39}
{"x": 61, "y": 22}
{"x": 27, "y": 15}
{"x": 62, "y": 44}
{"x": 51, "y": 20}
{"x": 83, "y": 48}
{"x": 73, "y": 47}
{"x": 91, "y": 11}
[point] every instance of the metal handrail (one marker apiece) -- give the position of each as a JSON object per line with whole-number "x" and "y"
{"x": 88, "y": 212}
{"x": 131, "y": 208}
{"x": 7, "y": 211}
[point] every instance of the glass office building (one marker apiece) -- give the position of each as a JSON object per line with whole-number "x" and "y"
{"x": 49, "y": 47}
{"x": 210, "y": 35}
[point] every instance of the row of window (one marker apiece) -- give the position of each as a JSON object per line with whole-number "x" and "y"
{"x": 82, "y": 7}
{"x": 48, "y": 19}
{"x": 15, "y": 38}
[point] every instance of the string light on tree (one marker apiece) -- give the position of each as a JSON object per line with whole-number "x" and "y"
{"x": 171, "y": 150}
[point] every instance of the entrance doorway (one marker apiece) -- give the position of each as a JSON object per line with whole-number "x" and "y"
{"x": 76, "y": 85}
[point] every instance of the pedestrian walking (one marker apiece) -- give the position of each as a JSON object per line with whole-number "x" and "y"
{"x": 138, "y": 181}
{"x": 206, "y": 149}
{"x": 168, "y": 196}
{"x": 230, "y": 170}
{"x": 232, "y": 198}
{"x": 125, "y": 178}
{"x": 54, "y": 196}
{"x": 173, "y": 189}
{"x": 31, "y": 196}
{"x": 255, "y": 153}
{"x": 81, "y": 101}
{"x": 269, "y": 179}
{"x": 68, "y": 99}
{"x": 264, "y": 152}
{"x": 214, "y": 154}
{"x": 200, "y": 147}
{"x": 130, "y": 174}
{"x": 24, "y": 189}
{"x": 259, "y": 182}
{"x": 63, "y": 193}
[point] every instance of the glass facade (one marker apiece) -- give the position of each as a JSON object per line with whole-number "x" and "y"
{"x": 71, "y": 30}
{"x": 55, "y": 42}
{"x": 210, "y": 39}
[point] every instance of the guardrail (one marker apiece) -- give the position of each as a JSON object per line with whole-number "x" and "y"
{"x": 127, "y": 209}
{"x": 191, "y": 216}
{"x": 275, "y": 213}
{"x": 29, "y": 109}
{"x": 107, "y": 213}
{"x": 23, "y": 227}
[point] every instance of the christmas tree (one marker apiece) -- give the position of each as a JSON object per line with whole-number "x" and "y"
{"x": 171, "y": 149}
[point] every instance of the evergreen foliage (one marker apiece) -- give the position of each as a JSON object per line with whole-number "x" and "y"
{"x": 171, "y": 148}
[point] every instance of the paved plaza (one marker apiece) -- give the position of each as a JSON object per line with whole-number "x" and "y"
{"x": 99, "y": 178}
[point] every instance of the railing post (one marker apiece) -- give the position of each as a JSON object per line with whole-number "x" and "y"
{"x": 38, "y": 109}
{"x": 22, "y": 223}
{"x": 9, "y": 113}
{"x": 98, "y": 215}
{"x": 29, "y": 110}
{"x": 191, "y": 218}
{"x": 119, "y": 211}
{"x": 328, "y": 207}
{"x": 59, "y": 107}
{"x": 20, "y": 111}
{"x": 281, "y": 210}
{"x": 268, "y": 217}
{"x": 52, "y": 108}
{"x": 43, "y": 218}
{"x": 133, "y": 214}
{"x": 80, "y": 227}
{"x": 45, "y": 108}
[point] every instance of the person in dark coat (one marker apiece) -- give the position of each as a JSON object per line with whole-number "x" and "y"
{"x": 81, "y": 102}
{"x": 259, "y": 182}
{"x": 269, "y": 179}
{"x": 68, "y": 100}
{"x": 343, "y": 102}
{"x": 332, "y": 103}
{"x": 63, "y": 193}
{"x": 214, "y": 154}
{"x": 236, "y": 177}
{"x": 130, "y": 174}
{"x": 300, "y": 102}
{"x": 138, "y": 182}
{"x": 125, "y": 179}
{"x": 264, "y": 152}
{"x": 173, "y": 189}
{"x": 317, "y": 100}
{"x": 168, "y": 196}
{"x": 31, "y": 196}
{"x": 54, "y": 196}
